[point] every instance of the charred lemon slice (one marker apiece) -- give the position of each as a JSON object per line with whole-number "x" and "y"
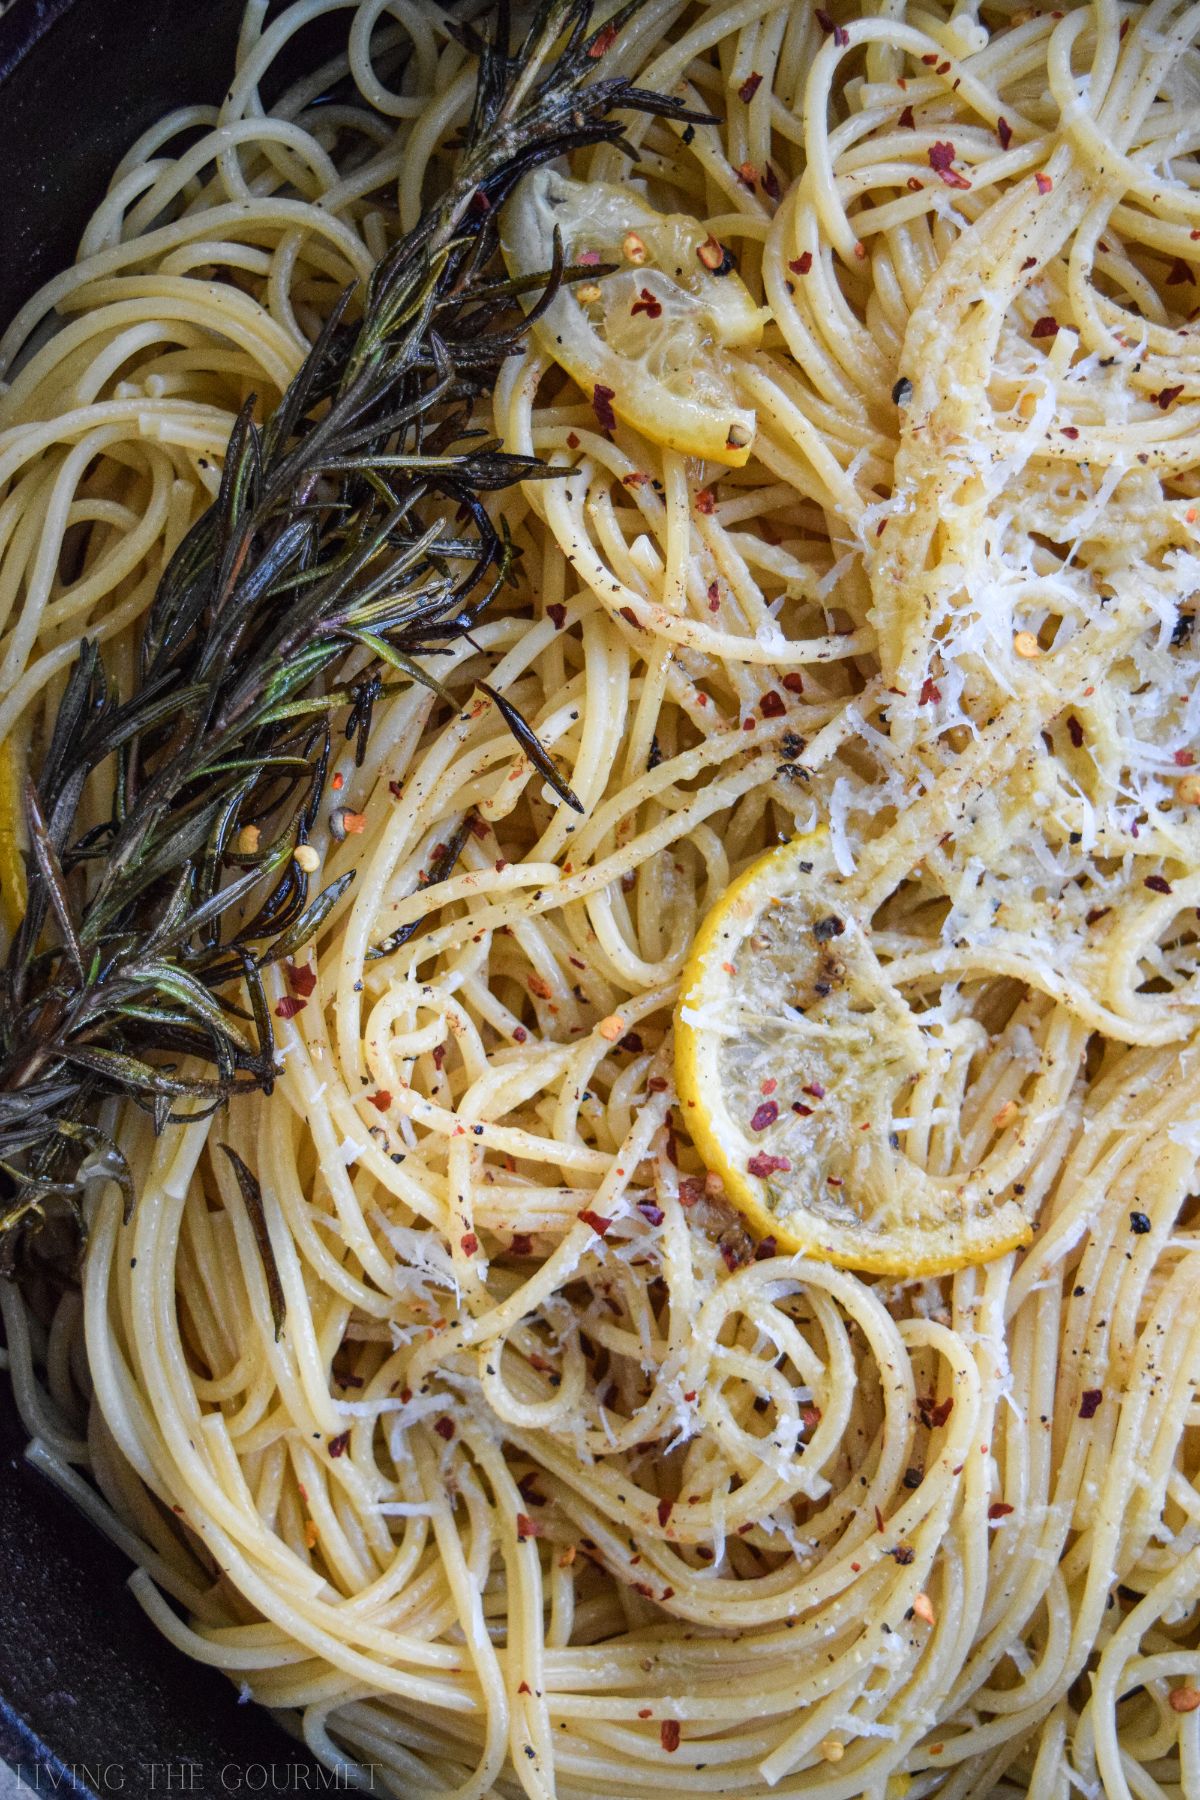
{"x": 647, "y": 341}
{"x": 805, "y": 1076}
{"x": 12, "y": 863}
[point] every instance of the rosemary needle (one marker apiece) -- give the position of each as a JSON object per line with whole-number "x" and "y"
{"x": 325, "y": 568}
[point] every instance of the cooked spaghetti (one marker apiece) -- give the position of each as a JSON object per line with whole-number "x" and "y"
{"x": 555, "y": 1482}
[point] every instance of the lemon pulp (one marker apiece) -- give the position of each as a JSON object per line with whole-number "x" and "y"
{"x": 650, "y": 338}
{"x": 795, "y": 1057}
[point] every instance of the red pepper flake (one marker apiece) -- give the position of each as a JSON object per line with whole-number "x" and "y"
{"x": 770, "y": 182}
{"x": 630, "y": 617}
{"x": 943, "y": 68}
{"x": 645, "y": 1712}
{"x": 338, "y": 1445}
{"x": 803, "y": 1112}
{"x": 772, "y": 705}
{"x": 930, "y": 692}
{"x": 653, "y": 1215}
{"x": 558, "y": 612}
{"x": 289, "y": 1006}
{"x": 1167, "y": 397}
{"x": 800, "y": 265}
{"x": 913, "y": 185}
{"x": 999, "y": 1509}
{"x": 1044, "y": 183}
{"x": 1158, "y": 884}
{"x": 705, "y": 502}
{"x": 815, "y": 1088}
{"x": 1070, "y": 431}
{"x": 765, "y": 1249}
{"x": 664, "y": 1511}
{"x": 635, "y": 479}
{"x": 691, "y": 1190}
{"x": 906, "y": 119}
{"x": 527, "y": 1528}
{"x": 1003, "y": 132}
{"x": 658, "y": 1084}
{"x": 522, "y": 1245}
{"x": 439, "y": 1050}
{"x": 539, "y": 986}
{"x": 714, "y": 597}
{"x": 669, "y": 1735}
{"x": 880, "y": 1521}
{"x": 604, "y": 40}
{"x": 1046, "y": 327}
{"x": 810, "y": 1417}
{"x": 597, "y": 1221}
{"x": 381, "y": 1099}
{"x": 1184, "y": 759}
{"x": 469, "y": 1243}
{"x": 763, "y": 1164}
{"x": 572, "y": 441}
{"x": 765, "y": 1114}
{"x": 1180, "y": 272}
{"x": 749, "y": 88}
{"x": 631, "y": 1042}
{"x": 520, "y": 1035}
{"x": 524, "y": 1688}
{"x": 941, "y": 156}
{"x": 301, "y": 980}
{"x": 395, "y": 790}
{"x": 1075, "y": 731}
{"x": 444, "y": 1428}
{"x": 930, "y": 59}
{"x": 649, "y": 303}
{"x": 1089, "y": 1402}
{"x": 747, "y": 175}
{"x": 602, "y": 399}
{"x": 793, "y": 682}
{"x": 933, "y": 1413}
{"x": 1097, "y": 913}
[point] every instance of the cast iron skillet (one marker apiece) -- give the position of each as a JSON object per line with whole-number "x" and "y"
{"x": 92, "y": 1701}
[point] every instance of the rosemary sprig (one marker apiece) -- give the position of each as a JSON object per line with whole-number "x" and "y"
{"x": 348, "y": 539}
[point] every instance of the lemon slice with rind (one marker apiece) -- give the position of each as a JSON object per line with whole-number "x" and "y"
{"x": 648, "y": 340}
{"x": 796, "y": 1057}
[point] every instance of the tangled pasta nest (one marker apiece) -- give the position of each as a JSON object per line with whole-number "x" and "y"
{"x": 556, "y": 1483}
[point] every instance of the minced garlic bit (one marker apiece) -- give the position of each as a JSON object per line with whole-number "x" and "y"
{"x": 587, "y": 291}
{"x": 711, "y": 253}
{"x": 832, "y": 1749}
{"x": 923, "y": 1608}
{"x": 633, "y": 247}
{"x": 1187, "y": 791}
{"x": 1006, "y": 1114}
{"x": 612, "y": 1028}
{"x": 307, "y": 858}
{"x": 1025, "y": 644}
{"x": 248, "y": 840}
